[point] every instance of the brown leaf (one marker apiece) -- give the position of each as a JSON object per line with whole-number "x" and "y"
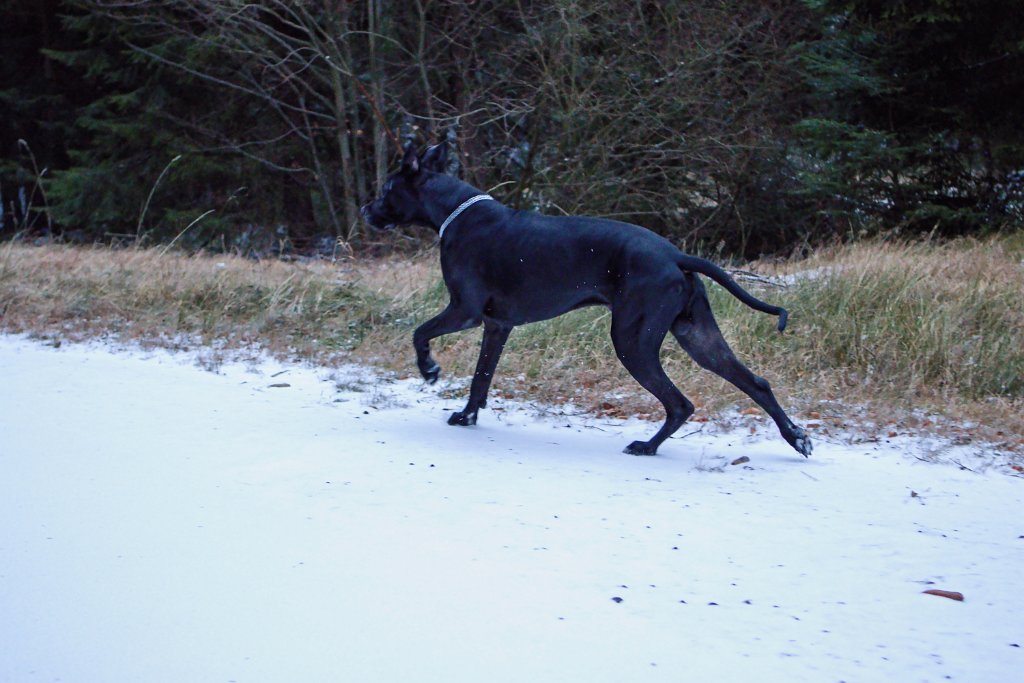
{"x": 952, "y": 595}
{"x": 740, "y": 460}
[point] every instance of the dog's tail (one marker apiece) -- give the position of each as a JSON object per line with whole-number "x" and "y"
{"x": 705, "y": 267}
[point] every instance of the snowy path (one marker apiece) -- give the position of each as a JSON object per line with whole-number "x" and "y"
{"x": 163, "y": 523}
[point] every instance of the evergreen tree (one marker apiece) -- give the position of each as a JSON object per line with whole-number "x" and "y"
{"x": 37, "y": 101}
{"x": 147, "y": 159}
{"x": 917, "y": 117}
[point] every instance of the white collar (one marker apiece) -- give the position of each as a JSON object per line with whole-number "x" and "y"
{"x": 462, "y": 207}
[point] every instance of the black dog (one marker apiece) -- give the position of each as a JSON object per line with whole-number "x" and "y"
{"x": 505, "y": 268}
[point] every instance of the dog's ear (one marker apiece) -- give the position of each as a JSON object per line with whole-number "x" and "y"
{"x": 435, "y": 158}
{"x": 411, "y": 161}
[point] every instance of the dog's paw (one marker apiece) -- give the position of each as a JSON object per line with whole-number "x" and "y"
{"x": 802, "y": 443}
{"x": 462, "y": 418}
{"x": 640, "y": 448}
{"x": 432, "y": 373}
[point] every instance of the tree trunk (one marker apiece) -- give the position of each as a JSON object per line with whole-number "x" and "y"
{"x": 380, "y": 136}
{"x": 350, "y": 197}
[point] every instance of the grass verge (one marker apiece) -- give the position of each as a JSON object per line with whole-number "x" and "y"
{"x": 884, "y": 337}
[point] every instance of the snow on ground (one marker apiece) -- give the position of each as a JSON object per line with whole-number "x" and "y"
{"x": 159, "y": 522}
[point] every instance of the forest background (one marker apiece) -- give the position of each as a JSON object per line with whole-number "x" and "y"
{"x": 735, "y": 128}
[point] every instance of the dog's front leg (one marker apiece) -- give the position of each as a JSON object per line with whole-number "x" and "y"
{"x": 451, "y": 319}
{"x": 495, "y": 336}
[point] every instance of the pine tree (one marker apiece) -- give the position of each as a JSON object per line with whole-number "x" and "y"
{"x": 917, "y": 116}
{"x": 143, "y": 161}
{"x": 37, "y": 100}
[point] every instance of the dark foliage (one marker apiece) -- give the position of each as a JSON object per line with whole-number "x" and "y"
{"x": 747, "y": 128}
{"x": 917, "y": 114}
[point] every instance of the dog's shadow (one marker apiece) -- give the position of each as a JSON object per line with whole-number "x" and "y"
{"x": 513, "y": 432}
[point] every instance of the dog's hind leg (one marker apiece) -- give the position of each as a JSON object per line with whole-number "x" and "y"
{"x": 637, "y": 342}
{"x": 698, "y": 333}
{"x": 451, "y": 319}
{"x": 491, "y": 347}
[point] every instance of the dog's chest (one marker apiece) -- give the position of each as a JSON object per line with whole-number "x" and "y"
{"x": 518, "y": 289}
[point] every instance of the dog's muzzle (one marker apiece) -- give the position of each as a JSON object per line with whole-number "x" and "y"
{"x": 374, "y": 220}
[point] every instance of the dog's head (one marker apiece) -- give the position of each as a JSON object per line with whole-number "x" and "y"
{"x": 401, "y": 197}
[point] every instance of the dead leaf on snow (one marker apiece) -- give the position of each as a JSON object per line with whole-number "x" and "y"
{"x": 952, "y": 595}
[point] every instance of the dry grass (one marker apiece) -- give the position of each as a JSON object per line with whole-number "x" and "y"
{"x": 891, "y": 334}
{"x": 911, "y": 328}
{"x": 918, "y": 319}
{"x": 152, "y": 298}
